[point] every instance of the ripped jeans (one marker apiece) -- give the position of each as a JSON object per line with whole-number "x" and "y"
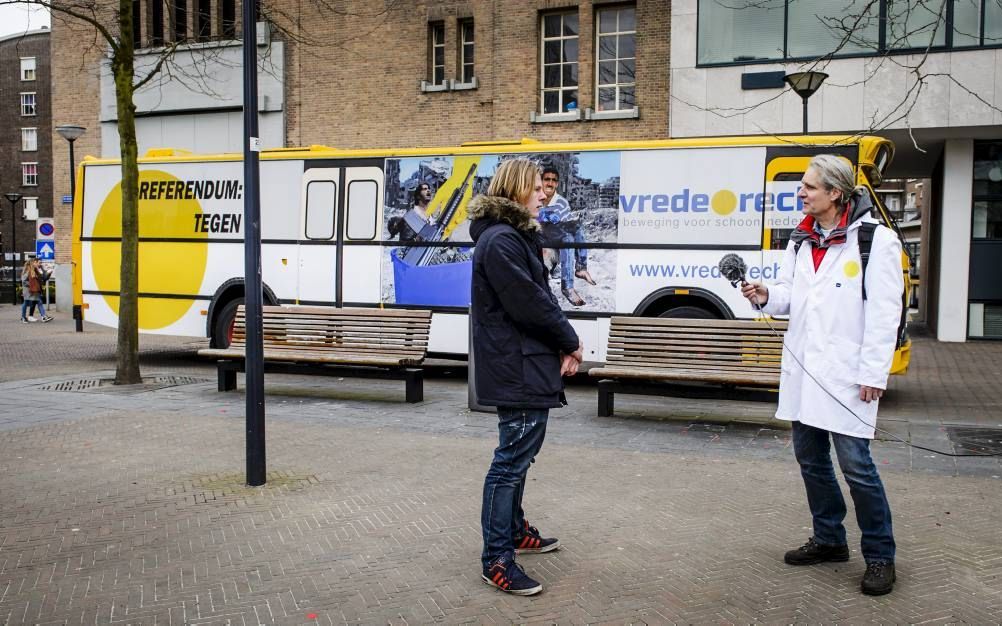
{"x": 520, "y": 436}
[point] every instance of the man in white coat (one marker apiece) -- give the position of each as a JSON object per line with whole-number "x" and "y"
{"x": 837, "y": 356}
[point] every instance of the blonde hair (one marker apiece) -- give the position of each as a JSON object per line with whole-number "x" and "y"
{"x": 514, "y": 179}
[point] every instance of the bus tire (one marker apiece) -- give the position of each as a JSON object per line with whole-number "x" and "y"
{"x": 222, "y": 330}
{"x": 688, "y": 312}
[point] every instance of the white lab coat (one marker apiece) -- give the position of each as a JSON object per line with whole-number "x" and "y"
{"x": 841, "y": 339}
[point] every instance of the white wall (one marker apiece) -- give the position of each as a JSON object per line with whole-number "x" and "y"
{"x": 859, "y": 93}
{"x": 195, "y": 102}
{"x": 955, "y": 239}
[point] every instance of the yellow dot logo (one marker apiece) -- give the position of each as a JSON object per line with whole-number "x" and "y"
{"x": 724, "y": 202}
{"x": 851, "y": 269}
{"x": 165, "y": 267}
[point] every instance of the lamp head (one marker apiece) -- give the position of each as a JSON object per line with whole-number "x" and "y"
{"x": 13, "y": 197}
{"x": 70, "y": 132}
{"x": 805, "y": 83}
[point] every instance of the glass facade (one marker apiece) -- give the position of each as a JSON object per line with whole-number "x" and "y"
{"x": 742, "y": 31}
{"x": 985, "y": 306}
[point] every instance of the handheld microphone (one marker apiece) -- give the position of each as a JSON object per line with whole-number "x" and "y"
{"x": 733, "y": 268}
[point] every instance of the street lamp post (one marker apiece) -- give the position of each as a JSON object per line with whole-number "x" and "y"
{"x": 71, "y": 133}
{"x": 805, "y": 84}
{"x": 14, "y": 198}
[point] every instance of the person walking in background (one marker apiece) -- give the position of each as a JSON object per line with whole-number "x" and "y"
{"x": 523, "y": 345}
{"x": 844, "y": 314}
{"x": 560, "y": 224}
{"x": 33, "y": 279}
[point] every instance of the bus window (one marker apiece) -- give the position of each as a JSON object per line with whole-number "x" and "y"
{"x": 321, "y": 196}
{"x": 362, "y": 203}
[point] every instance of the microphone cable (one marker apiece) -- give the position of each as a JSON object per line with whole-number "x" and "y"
{"x": 741, "y": 266}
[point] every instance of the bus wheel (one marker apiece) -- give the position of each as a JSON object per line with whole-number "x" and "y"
{"x": 222, "y": 331}
{"x": 689, "y": 312}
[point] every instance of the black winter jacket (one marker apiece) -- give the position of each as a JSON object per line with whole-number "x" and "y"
{"x": 519, "y": 330}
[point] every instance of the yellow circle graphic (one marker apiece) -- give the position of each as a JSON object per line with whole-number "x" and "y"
{"x": 851, "y": 269}
{"x": 724, "y": 202}
{"x": 164, "y": 267}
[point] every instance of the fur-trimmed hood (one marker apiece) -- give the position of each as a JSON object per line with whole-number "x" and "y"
{"x": 486, "y": 211}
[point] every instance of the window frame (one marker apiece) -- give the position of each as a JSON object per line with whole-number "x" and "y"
{"x": 436, "y": 42}
{"x": 24, "y": 135}
{"x": 33, "y": 69}
{"x": 33, "y": 106}
{"x": 373, "y": 210}
{"x": 30, "y": 202}
{"x": 882, "y": 47}
{"x": 332, "y": 210}
{"x": 26, "y": 177}
{"x": 462, "y": 42}
{"x": 616, "y": 34}
{"x": 560, "y": 113}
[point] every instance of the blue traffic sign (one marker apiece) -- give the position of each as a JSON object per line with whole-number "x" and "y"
{"x": 67, "y": 199}
{"x": 45, "y": 250}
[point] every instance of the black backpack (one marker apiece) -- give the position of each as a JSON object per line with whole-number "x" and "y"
{"x": 864, "y": 237}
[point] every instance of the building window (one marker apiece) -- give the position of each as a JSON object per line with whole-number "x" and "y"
{"x": 156, "y": 23}
{"x": 27, "y": 68}
{"x": 774, "y": 30}
{"x": 617, "y": 59}
{"x": 29, "y": 139}
{"x": 137, "y": 23}
{"x": 29, "y": 174}
{"x": 466, "y": 38}
{"x": 28, "y": 104}
{"x": 559, "y": 92}
{"x": 229, "y": 21}
{"x": 179, "y": 16}
{"x": 436, "y": 53}
{"x": 203, "y": 26}
{"x": 30, "y": 209}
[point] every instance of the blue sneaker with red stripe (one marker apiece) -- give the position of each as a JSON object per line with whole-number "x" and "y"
{"x": 507, "y": 575}
{"x": 531, "y": 542}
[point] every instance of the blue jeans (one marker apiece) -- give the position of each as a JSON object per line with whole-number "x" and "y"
{"x": 873, "y": 514}
{"x": 572, "y": 259}
{"x": 520, "y": 436}
{"x": 24, "y": 308}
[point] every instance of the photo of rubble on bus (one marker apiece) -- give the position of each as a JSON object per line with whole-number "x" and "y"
{"x": 426, "y": 213}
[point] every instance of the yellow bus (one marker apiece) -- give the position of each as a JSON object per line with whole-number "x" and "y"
{"x": 632, "y": 227}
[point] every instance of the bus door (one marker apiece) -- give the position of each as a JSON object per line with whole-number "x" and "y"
{"x": 317, "y": 279}
{"x": 360, "y": 252}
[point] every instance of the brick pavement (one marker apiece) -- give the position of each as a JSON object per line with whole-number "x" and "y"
{"x": 127, "y": 505}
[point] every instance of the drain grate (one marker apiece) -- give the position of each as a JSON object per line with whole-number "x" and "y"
{"x": 107, "y": 385}
{"x": 979, "y": 440}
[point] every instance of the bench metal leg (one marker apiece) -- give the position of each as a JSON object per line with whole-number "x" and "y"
{"x": 227, "y": 376}
{"x": 605, "y": 399}
{"x": 414, "y": 379}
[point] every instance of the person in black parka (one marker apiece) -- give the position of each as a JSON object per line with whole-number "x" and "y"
{"x": 523, "y": 345}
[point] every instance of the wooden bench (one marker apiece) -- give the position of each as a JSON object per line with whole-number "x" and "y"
{"x": 644, "y": 353}
{"x": 353, "y": 342}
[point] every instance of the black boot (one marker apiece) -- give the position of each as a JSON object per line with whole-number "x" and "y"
{"x": 813, "y": 552}
{"x": 878, "y": 579}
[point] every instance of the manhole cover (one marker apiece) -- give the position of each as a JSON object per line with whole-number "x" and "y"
{"x": 978, "y": 440}
{"x": 107, "y": 385}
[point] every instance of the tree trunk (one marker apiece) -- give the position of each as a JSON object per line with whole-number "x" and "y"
{"x": 123, "y": 62}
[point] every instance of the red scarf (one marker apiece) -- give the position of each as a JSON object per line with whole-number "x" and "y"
{"x": 820, "y": 247}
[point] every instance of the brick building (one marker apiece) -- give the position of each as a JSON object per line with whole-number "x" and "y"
{"x": 25, "y": 138}
{"x": 378, "y": 75}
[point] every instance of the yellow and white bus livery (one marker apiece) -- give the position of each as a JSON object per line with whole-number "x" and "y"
{"x": 635, "y": 228}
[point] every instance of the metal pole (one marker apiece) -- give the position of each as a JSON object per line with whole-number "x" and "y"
{"x": 77, "y": 313}
{"x": 805, "y": 115}
{"x": 253, "y": 298}
{"x": 13, "y": 256}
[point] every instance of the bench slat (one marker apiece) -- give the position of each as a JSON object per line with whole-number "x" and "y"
{"x": 654, "y": 322}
